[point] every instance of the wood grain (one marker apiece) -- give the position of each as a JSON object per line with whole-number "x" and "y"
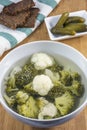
{"x": 7, "y": 122}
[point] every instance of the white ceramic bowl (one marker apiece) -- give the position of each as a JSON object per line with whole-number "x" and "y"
{"x": 66, "y": 55}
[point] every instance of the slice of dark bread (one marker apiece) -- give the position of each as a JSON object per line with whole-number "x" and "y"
{"x": 15, "y": 8}
{"x": 30, "y": 22}
{"x": 14, "y": 21}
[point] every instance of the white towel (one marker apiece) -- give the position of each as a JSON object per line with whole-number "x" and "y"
{"x": 10, "y": 38}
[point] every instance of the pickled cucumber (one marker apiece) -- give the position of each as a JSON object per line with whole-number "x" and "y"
{"x": 62, "y": 20}
{"x": 63, "y": 31}
{"x": 78, "y": 27}
{"x": 74, "y": 19}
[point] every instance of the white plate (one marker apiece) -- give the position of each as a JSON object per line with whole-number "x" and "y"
{"x": 51, "y": 21}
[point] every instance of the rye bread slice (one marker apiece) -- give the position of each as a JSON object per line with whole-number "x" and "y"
{"x": 14, "y": 21}
{"x": 15, "y": 8}
{"x": 30, "y": 22}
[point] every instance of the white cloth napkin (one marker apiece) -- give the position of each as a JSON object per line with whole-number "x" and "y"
{"x": 10, "y": 38}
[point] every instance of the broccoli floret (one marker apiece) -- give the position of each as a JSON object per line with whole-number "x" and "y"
{"x": 65, "y": 103}
{"x": 56, "y": 91}
{"x": 11, "y": 82}
{"x": 29, "y": 89}
{"x": 66, "y": 78}
{"x": 29, "y": 109}
{"x": 76, "y": 76}
{"x": 11, "y": 88}
{"x": 11, "y": 91}
{"x": 21, "y": 97}
{"x": 26, "y": 75}
{"x": 76, "y": 88}
{"x": 56, "y": 68}
{"x": 10, "y": 100}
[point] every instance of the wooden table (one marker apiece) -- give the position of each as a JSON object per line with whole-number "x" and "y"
{"x": 7, "y": 122}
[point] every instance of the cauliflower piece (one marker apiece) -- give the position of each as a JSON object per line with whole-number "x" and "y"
{"x": 42, "y": 61}
{"x": 53, "y": 76}
{"x": 49, "y": 110}
{"x": 42, "y": 84}
{"x": 15, "y": 70}
{"x": 11, "y": 78}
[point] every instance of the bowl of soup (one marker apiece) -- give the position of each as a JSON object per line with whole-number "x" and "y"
{"x": 43, "y": 83}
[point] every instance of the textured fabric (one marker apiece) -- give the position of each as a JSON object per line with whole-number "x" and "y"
{"x": 10, "y": 38}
